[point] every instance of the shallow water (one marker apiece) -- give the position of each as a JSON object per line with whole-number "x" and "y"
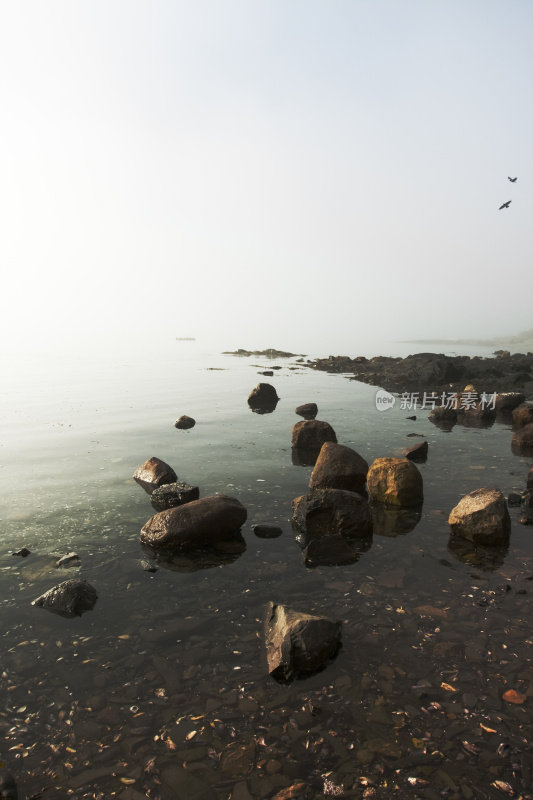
{"x": 162, "y": 690}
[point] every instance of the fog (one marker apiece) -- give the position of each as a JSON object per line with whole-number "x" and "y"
{"x": 314, "y": 176}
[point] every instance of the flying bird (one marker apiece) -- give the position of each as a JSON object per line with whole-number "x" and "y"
{"x": 505, "y": 205}
{"x": 513, "y": 180}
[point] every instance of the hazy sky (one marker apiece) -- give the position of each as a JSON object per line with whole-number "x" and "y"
{"x": 266, "y": 172}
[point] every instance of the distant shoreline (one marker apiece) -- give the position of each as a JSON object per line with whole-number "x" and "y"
{"x": 524, "y": 341}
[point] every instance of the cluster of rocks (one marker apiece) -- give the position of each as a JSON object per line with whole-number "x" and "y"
{"x": 435, "y": 371}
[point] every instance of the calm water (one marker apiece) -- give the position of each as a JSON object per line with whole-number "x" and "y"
{"x": 161, "y": 691}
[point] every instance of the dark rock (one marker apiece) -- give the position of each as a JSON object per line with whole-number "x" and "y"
{"x": 514, "y": 499}
{"x": 482, "y": 517}
{"x": 22, "y": 552}
{"x": 307, "y": 439}
{"x": 148, "y": 566}
{"x": 332, "y": 511}
{"x": 506, "y": 402}
{"x": 396, "y": 482}
{"x": 270, "y": 352}
{"x": 522, "y": 441}
{"x": 523, "y": 415}
{"x": 339, "y": 467}
{"x": 527, "y": 509}
{"x": 68, "y": 560}
{"x": 267, "y": 372}
{"x": 307, "y": 410}
{"x": 529, "y": 484}
{"x": 443, "y": 417}
{"x": 263, "y": 399}
{"x": 413, "y": 417}
{"x": 173, "y": 494}
{"x": 418, "y": 452}
{"x": 184, "y": 423}
{"x": 8, "y": 787}
{"x": 265, "y": 531}
{"x": 154, "y": 473}
{"x": 298, "y": 644}
{"x": 195, "y": 524}
{"x": 69, "y": 599}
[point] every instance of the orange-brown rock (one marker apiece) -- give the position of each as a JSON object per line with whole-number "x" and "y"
{"x": 523, "y": 415}
{"x": 154, "y": 473}
{"x": 522, "y": 441}
{"x": 339, "y": 467}
{"x": 481, "y": 517}
{"x": 395, "y": 482}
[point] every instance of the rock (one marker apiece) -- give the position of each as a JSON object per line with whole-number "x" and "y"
{"x": 307, "y": 410}
{"x": 481, "y": 517}
{"x": 339, "y": 467}
{"x": 184, "y": 423}
{"x": 298, "y": 644}
{"x": 154, "y": 473}
{"x": 523, "y": 415}
{"x": 332, "y": 511}
{"x": 238, "y": 759}
{"x": 418, "y": 452}
{"x": 265, "y": 531}
{"x": 522, "y": 441}
{"x": 412, "y": 417}
{"x": 8, "y": 787}
{"x": 69, "y": 599}
{"x": 263, "y": 399}
{"x": 527, "y": 509}
{"x": 308, "y": 437}
{"x": 508, "y": 401}
{"x": 514, "y": 499}
{"x": 68, "y": 560}
{"x": 529, "y": 484}
{"x": 195, "y": 524}
{"x": 476, "y": 416}
{"x": 443, "y": 417}
{"x": 328, "y": 551}
{"x": 396, "y": 482}
{"x": 148, "y": 566}
{"x": 267, "y": 372}
{"x": 173, "y": 494}
{"x": 270, "y": 352}
{"x": 22, "y": 552}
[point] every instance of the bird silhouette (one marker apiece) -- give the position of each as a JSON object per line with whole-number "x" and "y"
{"x": 513, "y": 180}
{"x": 505, "y": 205}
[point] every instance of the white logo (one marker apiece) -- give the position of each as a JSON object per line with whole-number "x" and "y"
{"x": 384, "y": 400}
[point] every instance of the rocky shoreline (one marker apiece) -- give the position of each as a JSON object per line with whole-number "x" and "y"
{"x": 436, "y": 372}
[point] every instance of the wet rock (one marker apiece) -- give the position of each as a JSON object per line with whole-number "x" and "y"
{"x": 529, "y": 484}
{"x": 8, "y": 787}
{"x": 307, "y": 439}
{"x": 238, "y": 759}
{"x": 481, "y": 517}
{"x": 442, "y": 417}
{"x": 154, "y": 473}
{"x": 23, "y": 552}
{"x": 173, "y": 494}
{"x": 307, "y": 410}
{"x": 506, "y": 402}
{"x": 396, "y": 482}
{"x": 69, "y": 599}
{"x": 298, "y": 644}
{"x": 267, "y": 372}
{"x": 522, "y": 441}
{"x": 263, "y": 399}
{"x": 413, "y": 417}
{"x": 418, "y": 452}
{"x": 526, "y": 509}
{"x": 478, "y": 415}
{"x": 523, "y": 415}
{"x": 195, "y": 524}
{"x": 339, "y": 467}
{"x": 68, "y": 560}
{"x": 332, "y": 511}
{"x": 184, "y": 422}
{"x": 514, "y": 499}
{"x": 265, "y": 531}
{"x": 148, "y": 566}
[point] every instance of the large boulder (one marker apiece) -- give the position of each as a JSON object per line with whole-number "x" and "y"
{"x": 173, "y": 494}
{"x": 68, "y": 599}
{"x": 263, "y": 399}
{"x": 298, "y": 644}
{"x": 195, "y": 524}
{"x": 307, "y": 439}
{"x": 395, "y": 482}
{"x": 481, "y": 517}
{"x": 523, "y": 415}
{"x": 339, "y": 467}
{"x": 154, "y": 473}
{"x": 522, "y": 441}
{"x": 332, "y": 511}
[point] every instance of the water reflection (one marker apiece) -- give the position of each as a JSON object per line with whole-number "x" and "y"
{"x": 334, "y": 551}
{"x": 262, "y": 407}
{"x": 305, "y": 457}
{"x": 482, "y": 557}
{"x": 221, "y": 554}
{"x": 391, "y": 521}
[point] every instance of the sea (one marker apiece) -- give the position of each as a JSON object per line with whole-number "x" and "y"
{"x": 162, "y": 690}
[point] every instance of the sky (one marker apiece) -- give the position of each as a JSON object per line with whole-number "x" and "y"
{"x": 264, "y": 173}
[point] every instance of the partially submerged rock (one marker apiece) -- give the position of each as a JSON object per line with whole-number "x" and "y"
{"x": 195, "y": 524}
{"x": 395, "y": 482}
{"x": 332, "y": 511}
{"x": 526, "y": 508}
{"x": 23, "y": 552}
{"x": 69, "y": 599}
{"x": 523, "y": 415}
{"x": 522, "y": 441}
{"x": 418, "y": 452}
{"x": 184, "y": 422}
{"x": 443, "y": 417}
{"x": 481, "y": 517}
{"x": 173, "y": 494}
{"x": 307, "y": 439}
{"x": 266, "y": 531}
{"x": 307, "y": 410}
{"x": 154, "y": 473}
{"x": 68, "y": 560}
{"x": 298, "y": 644}
{"x": 506, "y": 402}
{"x": 339, "y": 467}
{"x": 263, "y": 399}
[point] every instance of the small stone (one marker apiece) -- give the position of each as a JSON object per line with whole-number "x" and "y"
{"x": 265, "y": 531}
{"x": 514, "y": 499}
{"x": 67, "y": 560}
{"x": 307, "y": 410}
{"x": 418, "y": 452}
{"x": 154, "y": 473}
{"x": 69, "y": 599}
{"x": 184, "y": 422}
{"x": 22, "y": 552}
